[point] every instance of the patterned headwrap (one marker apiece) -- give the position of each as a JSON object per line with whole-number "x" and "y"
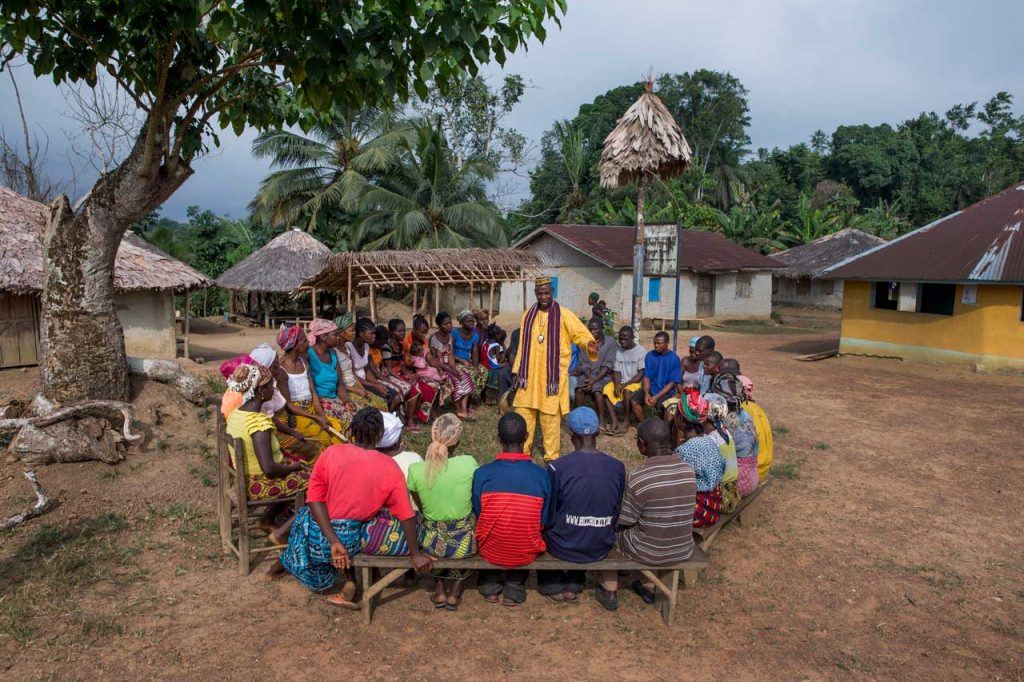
{"x": 228, "y": 367}
{"x": 748, "y": 385}
{"x": 319, "y": 327}
{"x": 718, "y": 409}
{"x": 694, "y": 408}
{"x": 445, "y": 432}
{"x": 542, "y": 280}
{"x": 729, "y": 387}
{"x": 693, "y": 341}
{"x": 247, "y": 378}
{"x": 288, "y": 336}
{"x": 344, "y": 321}
{"x": 464, "y": 314}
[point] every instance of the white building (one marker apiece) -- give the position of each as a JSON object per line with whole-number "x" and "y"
{"x": 720, "y": 280}
{"x": 799, "y": 284}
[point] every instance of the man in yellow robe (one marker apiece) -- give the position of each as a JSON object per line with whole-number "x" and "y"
{"x": 541, "y": 365}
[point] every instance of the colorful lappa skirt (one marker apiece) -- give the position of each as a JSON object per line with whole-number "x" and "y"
{"x": 708, "y": 508}
{"x": 460, "y": 383}
{"x": 383, "y": 536}
{"x": 308, "y": 555}
{"x": 259, "y": 486}
{"x": 730, "y": 497}
{"x": 411, "y": 389}
{"x": 747, "y": 481}
{"x": 449, "y": 540}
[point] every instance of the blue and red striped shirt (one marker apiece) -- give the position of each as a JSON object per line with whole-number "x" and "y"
{"x": 512, "y": 503}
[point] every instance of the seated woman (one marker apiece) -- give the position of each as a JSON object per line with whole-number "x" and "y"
{"x": 718, "y": 410}
{"x": 268, "y": 475}
{"x": 395, "y": 362}
{"x": 349, "y": 485}
{"x": 442, "y": 487}
{"x": 359, "y": 396}
{"x": 742, "y": 428}
{"x": 701, "y": 452}
{"x": 466, "y": 344}
{"x": 295, "y": 384}
{"x": 367, "y": 375}
{"x": 325, "y": 371}
{"x": 457, "y": 378}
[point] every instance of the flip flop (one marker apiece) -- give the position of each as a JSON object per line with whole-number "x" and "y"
{"x": 509, "y": 604}
{"x": 558, "y": 598}
{"x": 339, "y": 600}
{"x": 492, "y": 599}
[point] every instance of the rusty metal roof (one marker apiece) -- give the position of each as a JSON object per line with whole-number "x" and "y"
{"x": 982, "y": 243}
{"x": 613, "y": 246}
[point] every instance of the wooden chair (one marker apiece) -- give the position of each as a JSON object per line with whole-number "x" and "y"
{"x": 234, "y": 518}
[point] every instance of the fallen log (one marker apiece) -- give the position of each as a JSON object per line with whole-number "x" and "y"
{"x": 169, "y": 372}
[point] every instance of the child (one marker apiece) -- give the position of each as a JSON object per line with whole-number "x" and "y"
{"x": 496, "y": 361}
{"x": 419, "y": 363}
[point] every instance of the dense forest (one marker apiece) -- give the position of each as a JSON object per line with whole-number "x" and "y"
{"x": 428, "y": 175}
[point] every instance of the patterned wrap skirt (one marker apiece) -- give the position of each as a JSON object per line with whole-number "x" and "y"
{"x": 411, "y": 389}
{"x": 449, "y": 540}
{"x": 262, "y": 487}
{"x": 308, "y": 555}
{"x": 383, "y": 536}
{"x": 730, "y": 497}
{"x": 747, "y": 481}
{"x": 708, "y": 508}
{"x": 460, "y": 383}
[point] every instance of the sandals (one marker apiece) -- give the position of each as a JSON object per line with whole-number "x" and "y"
{"x": 492, "y": 599}
{"x": 344, "y": 598}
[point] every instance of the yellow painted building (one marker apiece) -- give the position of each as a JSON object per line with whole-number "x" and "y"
{"x": 950, "y": 292}
{"x": 988, "y": 334}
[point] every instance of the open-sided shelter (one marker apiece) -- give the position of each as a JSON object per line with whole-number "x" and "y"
{"x": 279, "y": 267}
{"x": 479, "y": 270}
{"x": 720, "y": 279}
{"x": 145, "y": 278}
{"x": 951, "y": 291}
{"x": 800, "y": 283}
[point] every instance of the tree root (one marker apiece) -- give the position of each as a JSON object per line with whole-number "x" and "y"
{"x": 169, "y": 372}
{"x": 44, "y": 503}
{"x": 89, "y": 406}
{"x": 47, "y": 439}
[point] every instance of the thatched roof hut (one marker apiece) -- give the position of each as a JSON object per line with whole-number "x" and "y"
{"x": 139, "y": 265}
{"x": 646, "y": 141}
{"x": 280, "y": 266}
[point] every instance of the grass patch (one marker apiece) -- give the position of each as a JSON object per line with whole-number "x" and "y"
{"x": 216, "y": 385}
{"x": 937, "y": 576}
{"x": 191, "y": 521}
{"x": 112, "y": 474}
{"x": 162, "y": 444}
{"x": 780, "y": 430}
{"x": 46, "y": 574}
{"x": 820, "y": 446}
{"x": 787, "y": 470}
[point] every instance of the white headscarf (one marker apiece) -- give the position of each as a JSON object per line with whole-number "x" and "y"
{"x": 392, "y": 430}
{"x": 264, "y": 354}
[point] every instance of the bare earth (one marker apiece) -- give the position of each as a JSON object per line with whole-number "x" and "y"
{"x": 890, "y": 545}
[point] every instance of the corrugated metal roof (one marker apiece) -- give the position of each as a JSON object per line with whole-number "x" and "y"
{"x": 982, "y": 243}
{"x": 613, "y": 246}
{"x": 810, "y": 259}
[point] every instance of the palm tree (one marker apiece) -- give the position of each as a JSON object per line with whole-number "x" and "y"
{"x": 812, "y": 223}
{"x": 752, "y": 228}
{"x": 882, "y": 220}
{"x": 324, "y": 174}
{"x": 574, "y": 155}
{"x": 426, "y": 201}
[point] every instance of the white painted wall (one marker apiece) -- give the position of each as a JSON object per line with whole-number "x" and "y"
{"x": 147, "y": 318}
{"x": 728, "y": 306}
{"x": 787, "y": 294}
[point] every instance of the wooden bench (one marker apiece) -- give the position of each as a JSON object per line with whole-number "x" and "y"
{"x": 665, "y": 578}
{"x": 747, "y": 512}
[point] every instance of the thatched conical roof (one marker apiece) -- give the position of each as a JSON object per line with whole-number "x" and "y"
{"x": 281, "y": 266}
{"x": 139, "y": 264}
{"x": 646, "y": 141}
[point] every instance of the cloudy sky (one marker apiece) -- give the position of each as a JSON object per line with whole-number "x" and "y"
{"x": 808, "y": 66}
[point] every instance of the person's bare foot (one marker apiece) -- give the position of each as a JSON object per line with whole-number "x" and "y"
{"x": 276, "y": 571}
{"x": 266, "y": 526}
{"x": 344, "y": 597}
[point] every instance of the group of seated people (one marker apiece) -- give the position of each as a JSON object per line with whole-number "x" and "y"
{"x": 328, "y": 416}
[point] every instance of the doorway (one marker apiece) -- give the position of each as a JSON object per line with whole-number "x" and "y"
{"x": 705, "y": 296}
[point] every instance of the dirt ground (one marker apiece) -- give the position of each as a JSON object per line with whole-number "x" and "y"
{"x": 890, "y": 546}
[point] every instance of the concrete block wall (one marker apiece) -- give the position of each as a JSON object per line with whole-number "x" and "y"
{"x": 729, "y": 306}
{"x": 147, "y": 318}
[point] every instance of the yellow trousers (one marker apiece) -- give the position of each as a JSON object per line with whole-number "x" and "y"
{"x": 550, "y": 430}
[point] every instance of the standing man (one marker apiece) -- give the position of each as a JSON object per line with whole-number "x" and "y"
{"x": 542, "y": 365}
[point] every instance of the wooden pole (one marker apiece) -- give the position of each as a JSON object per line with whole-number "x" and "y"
{"x": 638, "y": 257}
{"x": 437, "y": 300}
{"x": 470, "y": 306}
{"x": 414, "y": 292}
{"x": 185, "y": 324}
{"x": 490, "y": 301}
{"x": 205, "y": 295}
{"x": 373, "y": 304}
{"x": 524, "y": 295}
{"x": 349, "y": 289}
{"x": 266, "y": 310}
{"x": 312, "y": 300}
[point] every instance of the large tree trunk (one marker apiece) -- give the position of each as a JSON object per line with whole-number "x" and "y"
{"x": 82, "y": 342}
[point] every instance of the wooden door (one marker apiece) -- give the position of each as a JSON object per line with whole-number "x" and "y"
{"x": 19, "y": 331}
{"x": 705, "y": 296}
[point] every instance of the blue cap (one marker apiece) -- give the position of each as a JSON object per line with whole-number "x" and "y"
{"x": 693, "y": 341}
{"x": 583, "y": 421}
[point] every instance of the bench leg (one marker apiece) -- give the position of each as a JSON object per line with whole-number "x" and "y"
{"x": 690, "y": 577}
{"x": 367, "y": 604}
{"x": 243, "y": 538}
{"x": 668, "y": 602}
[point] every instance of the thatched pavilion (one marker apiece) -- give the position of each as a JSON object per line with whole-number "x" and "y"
{"x": 279, "y": 267}
{"x": 429, "y": 269}
{"x": 145, "y": 277}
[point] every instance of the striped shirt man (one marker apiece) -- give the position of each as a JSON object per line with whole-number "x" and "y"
{"x": 656, "y": 520}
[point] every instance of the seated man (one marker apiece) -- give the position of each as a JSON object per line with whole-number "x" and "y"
{"x": 627, "y": 375}
{"x": 656, "y": 521}
{"x": 712, "y": 368}
{"x": 511, "y": 501}
{"x": 586, "y": 495}
{"x": 705, "y": 344}
{"x": 596, "y": 374}
{"x": 663, "y": 376}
